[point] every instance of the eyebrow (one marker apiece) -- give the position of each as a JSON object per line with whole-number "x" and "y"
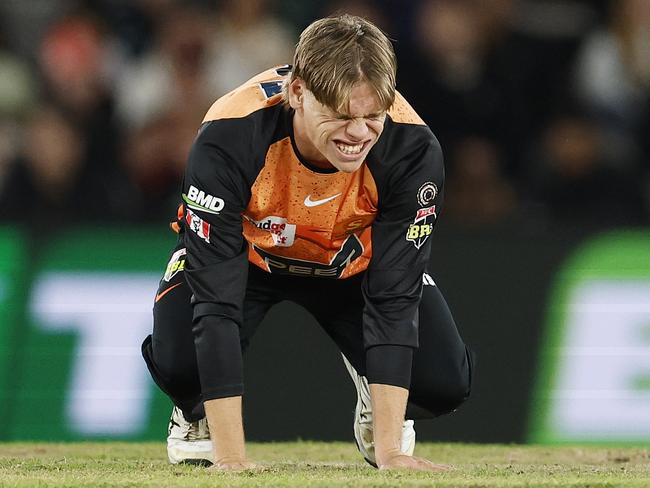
{"x": 368, "y": 116}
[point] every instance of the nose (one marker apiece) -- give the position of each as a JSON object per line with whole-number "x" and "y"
{"x": 357, "y": 129}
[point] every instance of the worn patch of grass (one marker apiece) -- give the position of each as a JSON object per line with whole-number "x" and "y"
{"x": 302, "y": 464}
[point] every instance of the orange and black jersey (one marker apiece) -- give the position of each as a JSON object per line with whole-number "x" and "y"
{"x": 249, "y": 196}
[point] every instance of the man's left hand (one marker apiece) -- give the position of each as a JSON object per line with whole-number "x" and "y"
{"x": 403, "y": 461}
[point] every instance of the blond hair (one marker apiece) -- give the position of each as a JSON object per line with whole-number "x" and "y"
{"x": 335, "y": 53}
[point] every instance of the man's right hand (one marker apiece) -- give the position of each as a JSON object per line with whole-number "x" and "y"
{"x": 402, "y": 461}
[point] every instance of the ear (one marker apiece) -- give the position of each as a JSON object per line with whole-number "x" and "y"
{"x": 296, "y": 93}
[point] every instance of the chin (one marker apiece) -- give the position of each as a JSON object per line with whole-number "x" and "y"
{"x": 348, "y": 166}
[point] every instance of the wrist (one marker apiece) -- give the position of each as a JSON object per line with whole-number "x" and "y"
{"x": 384, "y": 456}
{"x": 388, "y": 405}
{"x": 231, "y": 459}
{"x": 226, "y": 429}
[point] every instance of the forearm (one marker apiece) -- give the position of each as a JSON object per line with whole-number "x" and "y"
{"x": 389, "y": 373}
{"x": 388, "y": 407}
{"x": 226, "y": 429}
{"x": 219, "y": 359}
{"x": 220, "y": 369}
{"x": 389, "y": 365}
{"x": 217, "y": 316}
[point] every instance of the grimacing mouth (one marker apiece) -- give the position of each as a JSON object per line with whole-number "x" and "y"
{"x": 349, "y": 149}
{"x": 352, "y": 149}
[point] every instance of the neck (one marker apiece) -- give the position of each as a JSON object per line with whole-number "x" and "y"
{"x": 305, "y": 147}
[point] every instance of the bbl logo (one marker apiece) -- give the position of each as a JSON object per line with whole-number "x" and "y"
{"x": 420, "y": 230}
{"x": 176, "y": 264}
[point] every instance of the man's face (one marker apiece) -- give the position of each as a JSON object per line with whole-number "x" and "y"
{"x": 329, "y": 138}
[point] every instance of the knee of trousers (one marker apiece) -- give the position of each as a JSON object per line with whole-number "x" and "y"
{"x": 446, "y": 394}
{"x": 175, "y": 380}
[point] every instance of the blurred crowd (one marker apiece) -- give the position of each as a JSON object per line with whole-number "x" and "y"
{"x": 542, "y": 107}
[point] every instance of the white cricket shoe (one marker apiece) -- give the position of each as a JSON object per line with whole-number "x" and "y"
{"x": 363, "y": 421}
{"x": 188, "y": 442}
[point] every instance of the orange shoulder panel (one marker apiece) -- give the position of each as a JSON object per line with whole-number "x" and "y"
{"x": 402, "y": 112}
{"x": 246, "y": 98}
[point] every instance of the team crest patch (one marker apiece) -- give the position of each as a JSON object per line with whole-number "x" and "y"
{"x": 427, "y": 193}
{"x": 197, "y": 225}
{"x": 420, "y": 230}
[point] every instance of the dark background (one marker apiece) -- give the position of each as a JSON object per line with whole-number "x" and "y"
{"x": 297, "y": 386}
{"x": 542, "y": 109}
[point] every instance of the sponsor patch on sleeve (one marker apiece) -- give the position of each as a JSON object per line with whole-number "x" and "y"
{"x": 176, "y": 264}
{"x": 199, "y": 200}
{"x": 422, "y": 227}
{"x": 197, "y": 225}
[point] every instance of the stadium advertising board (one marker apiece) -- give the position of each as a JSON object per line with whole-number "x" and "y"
{"x": 75, "y": 310}
{"x": 79, "y": 373}
{"x": 13, "y": 264}
{"x": 594, "y": 383}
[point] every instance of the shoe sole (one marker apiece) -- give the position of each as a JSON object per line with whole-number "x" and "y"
{"x": 177, "y": 455}
{"x": 204, "y": 463}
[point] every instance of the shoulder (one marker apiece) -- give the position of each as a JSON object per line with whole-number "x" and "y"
{"x": 405, "y": 131}
{"x": 407, "y": 155}
{"x": 401, "y": 112}
{"x": 242, "y": 123}
{"x": 406, "y": 141}
{"x": 260, "y": 92}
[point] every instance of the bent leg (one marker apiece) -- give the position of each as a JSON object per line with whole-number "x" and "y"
{"x": 169, "y": 351}
{"x": 442, "y": 368}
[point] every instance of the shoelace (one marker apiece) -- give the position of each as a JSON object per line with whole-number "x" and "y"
{"x": 197, "y": 431}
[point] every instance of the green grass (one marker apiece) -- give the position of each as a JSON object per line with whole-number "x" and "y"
{"x": 302, "y": 464}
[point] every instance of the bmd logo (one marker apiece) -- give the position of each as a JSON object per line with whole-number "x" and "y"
{"x": 199, "y": 200}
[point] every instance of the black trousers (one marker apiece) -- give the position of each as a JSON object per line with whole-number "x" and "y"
{"x": 441, "y": 374}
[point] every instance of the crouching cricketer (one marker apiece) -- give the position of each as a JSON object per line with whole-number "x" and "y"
{"x": 317, "y": 183}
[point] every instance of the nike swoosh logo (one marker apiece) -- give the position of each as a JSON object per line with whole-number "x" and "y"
{"x": 164, "y": 292}
{"x": 314, "y": 203}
